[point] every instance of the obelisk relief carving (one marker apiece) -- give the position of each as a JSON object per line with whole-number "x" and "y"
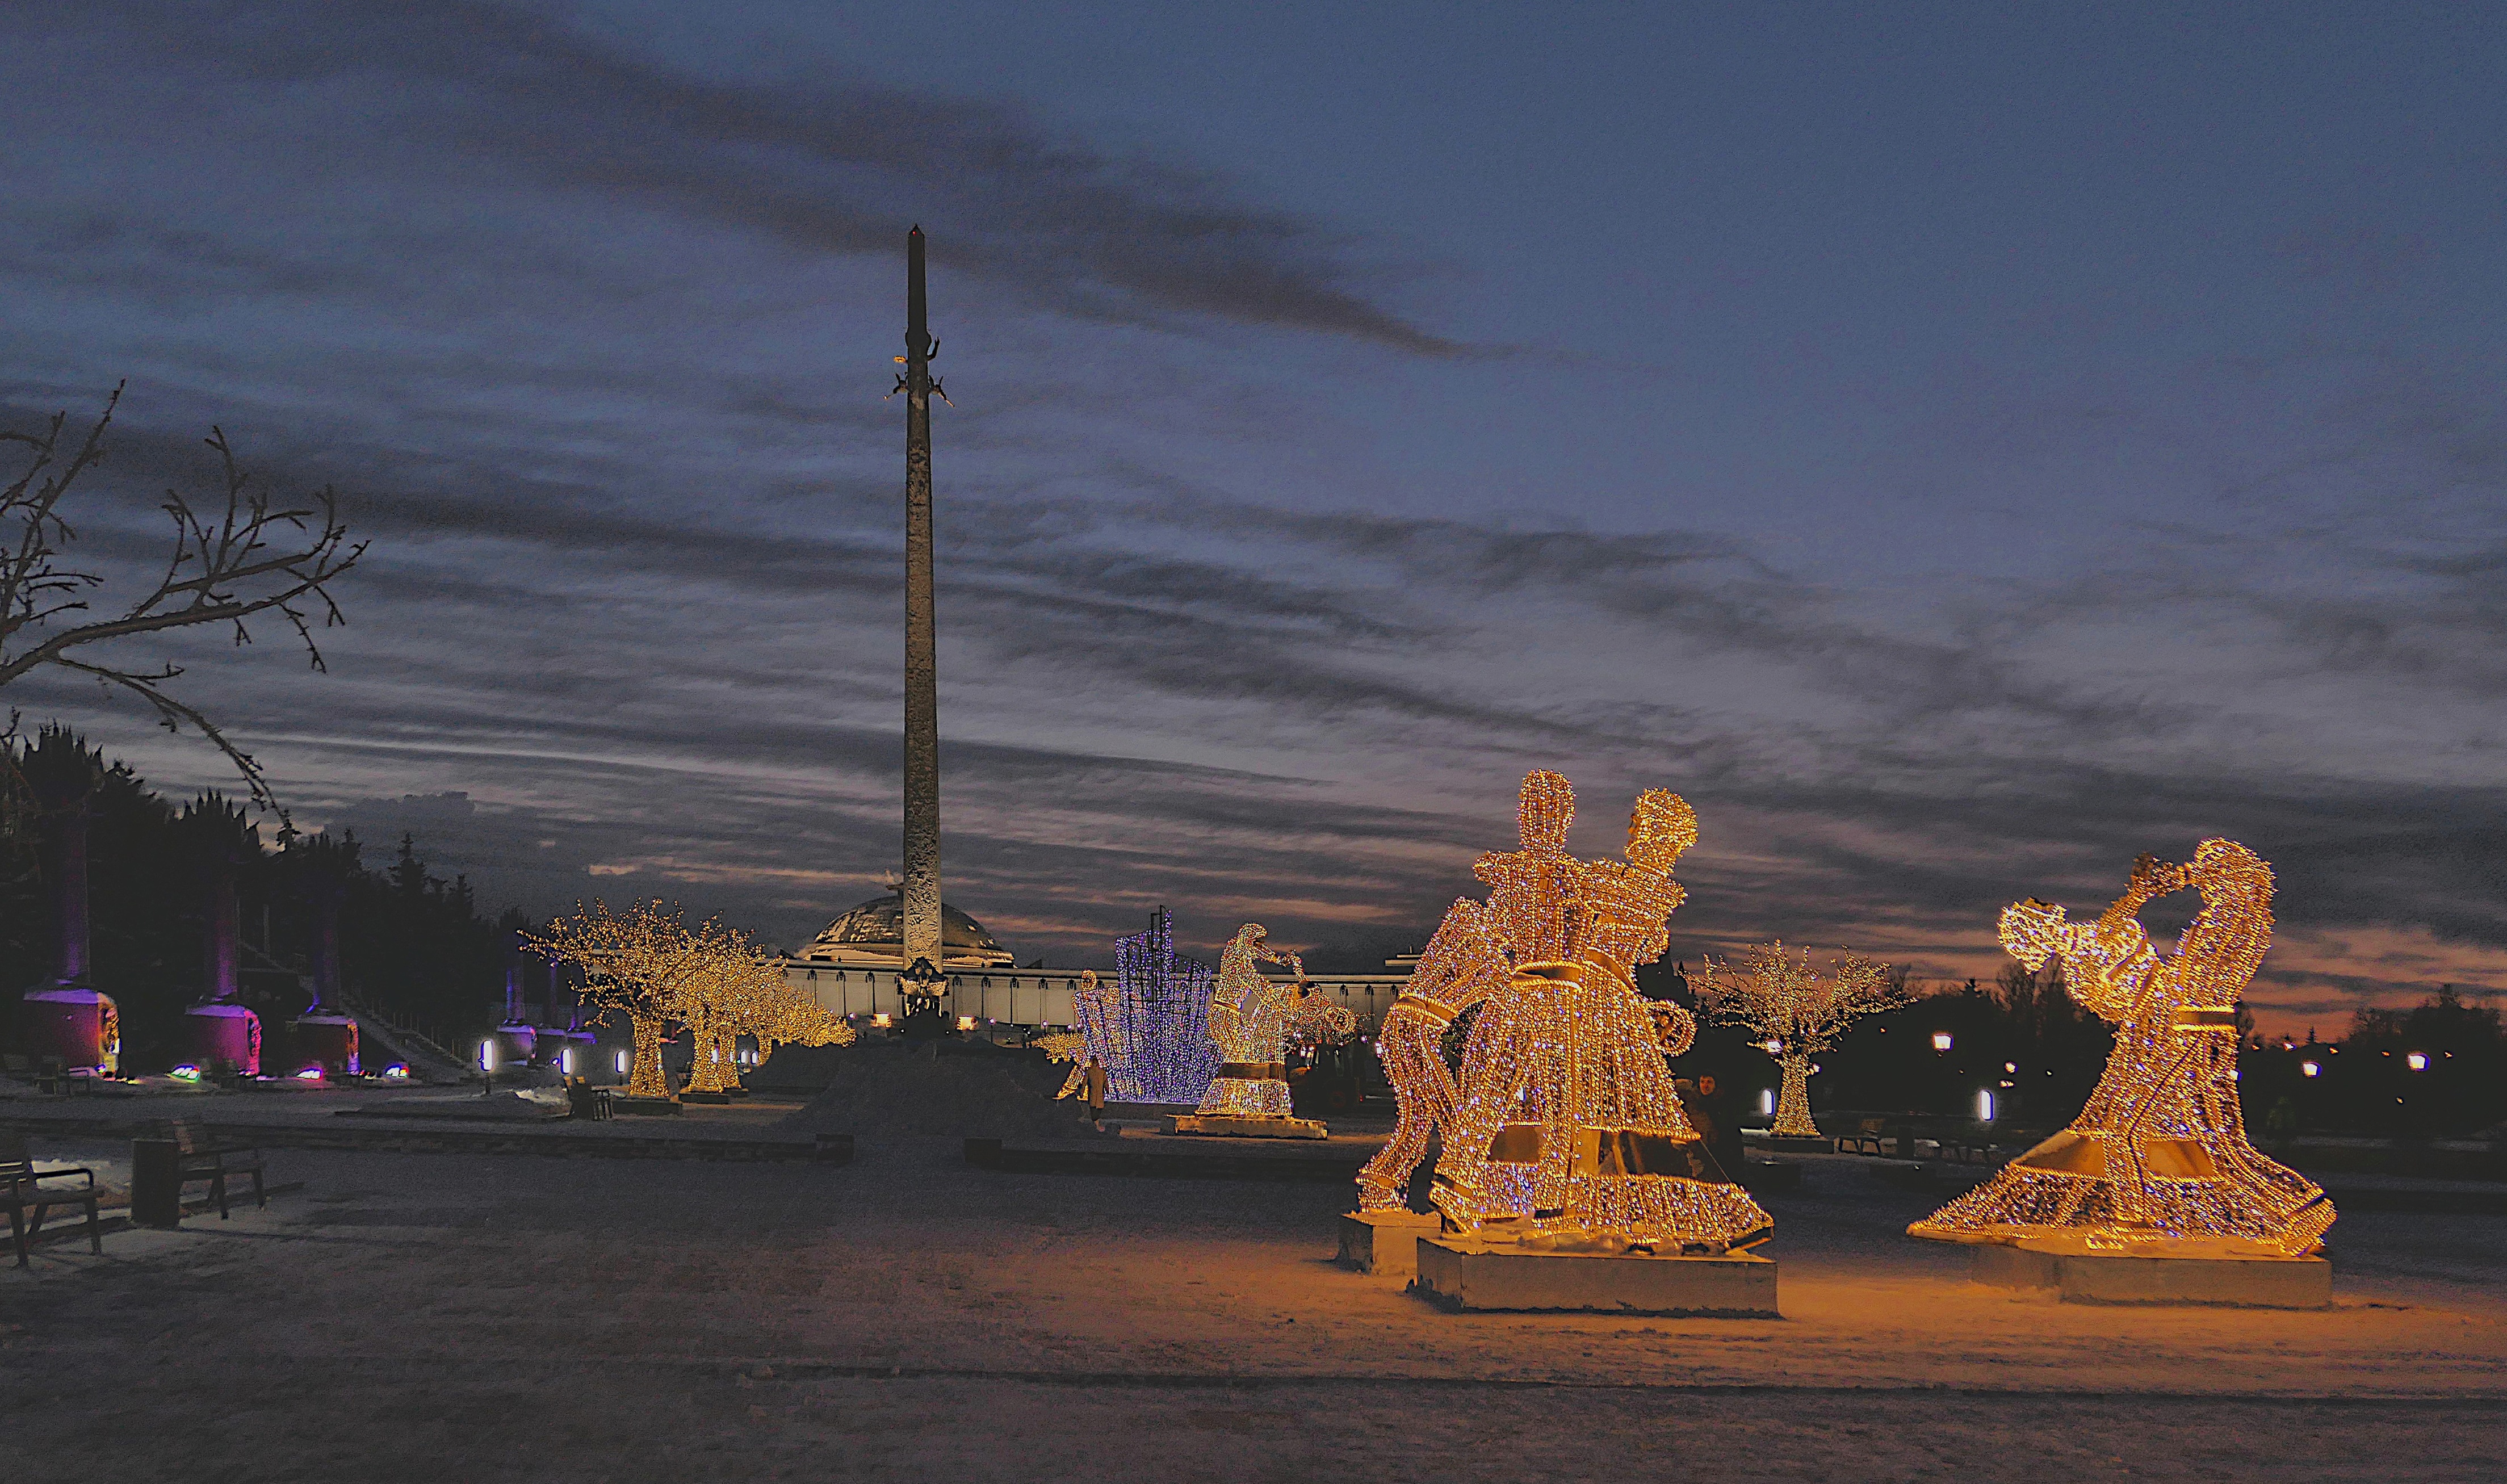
{"x": 922, "y": 889}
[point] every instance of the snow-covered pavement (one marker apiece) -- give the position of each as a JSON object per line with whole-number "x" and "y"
{"x": 446, "y": 1317}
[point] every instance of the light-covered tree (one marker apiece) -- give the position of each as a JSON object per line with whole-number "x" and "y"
{"x": 741, "y": 992}
{"x": 646, "y": 963}
{"x": 1798, "y": 1011}
{"x": 649, "y": 965}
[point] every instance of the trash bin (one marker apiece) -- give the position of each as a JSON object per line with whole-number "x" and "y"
{"x": 156, "y": 1182}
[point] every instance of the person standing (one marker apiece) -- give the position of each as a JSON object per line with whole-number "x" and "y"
{"x": 1092, "y": 1086}
{"x": 1712, "y": 1112}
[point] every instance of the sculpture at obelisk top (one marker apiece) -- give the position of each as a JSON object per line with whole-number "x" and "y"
{"x": 921, "y": 895}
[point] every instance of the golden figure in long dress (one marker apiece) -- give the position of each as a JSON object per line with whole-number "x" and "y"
{"x": 1566, "y": 1116}
{"x": 1251, "y": 1020}
{"x": 2160, "y": 1153}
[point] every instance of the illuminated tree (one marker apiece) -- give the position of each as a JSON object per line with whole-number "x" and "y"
{"x": 649, "y": 965}
{"x": 1798, "y": 1013}
{"x": 740, "y": 991}
{"x": 646, "y": 965}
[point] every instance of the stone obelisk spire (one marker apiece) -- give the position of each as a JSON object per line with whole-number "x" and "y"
{"x": 921, "y": 892}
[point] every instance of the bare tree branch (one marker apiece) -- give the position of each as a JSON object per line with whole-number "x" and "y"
{"x": 228, "y": 565}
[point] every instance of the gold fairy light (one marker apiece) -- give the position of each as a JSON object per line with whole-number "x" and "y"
{"x": 1462, "y": 966}
{"x": 649, "y": 965}
{"x": 743, "y": 993}
{"x": 1253, "y": 1020}
{"x": 1564, "y": 1130}
{"x": 1796, "y": 1012}
{"x": 2159, "y": 1157}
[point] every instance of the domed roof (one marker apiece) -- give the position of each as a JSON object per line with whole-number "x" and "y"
{"x": 875, "y": 927}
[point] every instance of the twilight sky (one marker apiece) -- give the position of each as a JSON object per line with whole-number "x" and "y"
{"x": 1957, "y": 450}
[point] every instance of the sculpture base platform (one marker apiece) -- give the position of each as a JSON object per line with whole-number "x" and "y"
{"x": 2199, "y": 1273}
{"x": 1796, "y": 1144}
{"x": 1233, "y": 1126}
{"x": 1461, "y": 1274}
{"x": 1385, "y": 1242}
{"x": 622, "y": 1107}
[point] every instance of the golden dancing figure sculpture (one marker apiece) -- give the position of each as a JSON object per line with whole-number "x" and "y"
{"x": 1461, "y": 967}
{"x": 1253, "y": 1020}
{"x": 2159, "y": 1157}
{"x": 1566, "y": 1131}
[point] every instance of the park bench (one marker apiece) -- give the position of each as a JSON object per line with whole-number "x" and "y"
{"x": 1870, "y": 1136}
{"x": 585, "y": 1101}
{"x": 29, "y": 1203}
{"x": 204, "y": 1160}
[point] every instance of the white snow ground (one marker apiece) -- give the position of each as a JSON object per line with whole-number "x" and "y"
{"x": 448, "y": 1318}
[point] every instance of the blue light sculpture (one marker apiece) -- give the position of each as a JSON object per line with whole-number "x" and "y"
{"x": 1160, "y": 1009}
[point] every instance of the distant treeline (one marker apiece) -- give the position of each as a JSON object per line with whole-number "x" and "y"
{"x": 411, "y": 945}
{"x": 2025, "y": 1040}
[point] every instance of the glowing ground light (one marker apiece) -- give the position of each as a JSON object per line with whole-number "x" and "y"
{"x": 185, "y": 1073}
{"x": 310, "y": 1074}
{"x": 881, "y": 1020}
{"x": 2418, "y": 1060}
{"x": 2309, "y": 1068}
{"x": 966, "y": 1023}
{"x": 1940, "y": 1040}
{"x": 398, "y": 1070}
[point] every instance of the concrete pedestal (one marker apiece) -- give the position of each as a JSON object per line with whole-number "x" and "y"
{"x": 1385, "y": 1242}
{"x": 1462, "y": 1274}
{"x": 1231, "y": 1126}
{"x": 2203, "y": 1273}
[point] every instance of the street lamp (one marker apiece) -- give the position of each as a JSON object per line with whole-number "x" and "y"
{"x": 1940, "y": 1040}
{"x": 2417, "y": 1061}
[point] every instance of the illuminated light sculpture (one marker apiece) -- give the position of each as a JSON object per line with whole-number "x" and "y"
{"x": 1566, "y": 1133}
{"x": 1461, "y": 967}
{"x": 2158, "y": 1163}
{"x": 1152, "y": 1030}
{"x": 645, "y": 964}
{"x": 1799, "y": 1012}
{"x": 740, "y": 991}
{"x": 1094, "y": 1040}
{"x": 1251, "y": 1022}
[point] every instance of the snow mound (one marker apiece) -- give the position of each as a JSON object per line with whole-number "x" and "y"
{"x": 943, "y": 1087}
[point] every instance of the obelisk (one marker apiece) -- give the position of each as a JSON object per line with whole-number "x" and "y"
{"x": 921, "y": 915}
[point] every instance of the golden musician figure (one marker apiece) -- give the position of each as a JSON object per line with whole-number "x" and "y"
{"x": 2160, "y": 1153}
{"x": 1563, "y": 1131}
{"x": 1251, "y": 1020}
